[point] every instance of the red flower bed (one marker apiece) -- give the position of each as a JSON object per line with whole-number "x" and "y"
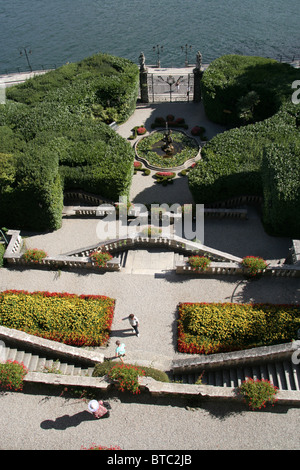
{"x": 141, "y": 130}
{"x": 165, "y": 173}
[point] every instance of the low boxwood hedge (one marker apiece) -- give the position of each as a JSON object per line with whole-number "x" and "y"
{"x": 103, "y": 369}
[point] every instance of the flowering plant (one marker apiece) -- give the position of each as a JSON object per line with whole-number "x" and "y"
{"x": 141, "y": 130}
{"x": 206, "y": 328}
{"x": 257, "y": 393}
{"x": 254, "y": 265}
{"x": 167, "y": 174}
{"x": 72, "y": 319}
{"x": 99, "y": 447}
{"x": 34, "y": 255}
{"x": 12, "y": 374}
{"x": 137, "y": 164}
{"x": 127, "y": 376}
{"x": 197, "y": 130}
{"x": 100, "y": 258}
{"x": 199, "y": 263}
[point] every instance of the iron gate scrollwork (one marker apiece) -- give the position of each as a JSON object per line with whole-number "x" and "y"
{"x": 169, "y": 87}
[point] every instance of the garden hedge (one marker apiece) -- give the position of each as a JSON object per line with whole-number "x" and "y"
{"x": 231, "y": 78}
{"x": 78, "y": 320}
{"x": 232, "y": 162}
{"x": 206, "y": 328}
{"x": 54, "y": 133}
{"x": 281, "y": 177}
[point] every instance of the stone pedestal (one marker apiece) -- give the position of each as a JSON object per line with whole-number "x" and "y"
{"x": 197, "y": 84}
{"x": 144, "y": 85}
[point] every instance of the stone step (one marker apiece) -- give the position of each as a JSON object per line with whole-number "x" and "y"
{"x": 36, "y": 363}
{"x": 285, "y": 375}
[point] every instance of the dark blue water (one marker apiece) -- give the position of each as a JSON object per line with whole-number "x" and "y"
{"x": 60, "y": 31}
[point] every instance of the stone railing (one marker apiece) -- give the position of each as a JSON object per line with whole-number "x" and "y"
{"x": 237, "y": 269}
{"x": 13, "y": 256}
{"x": 236, "y": 358}
{"x": 174, "y": 243}
{"x": 104, "y": 209}
{"x": 47, "y": 346}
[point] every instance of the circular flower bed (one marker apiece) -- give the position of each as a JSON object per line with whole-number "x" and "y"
{"x": 149, "y": 148}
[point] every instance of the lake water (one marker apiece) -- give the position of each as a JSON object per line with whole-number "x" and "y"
{"x": 60, "y": 31}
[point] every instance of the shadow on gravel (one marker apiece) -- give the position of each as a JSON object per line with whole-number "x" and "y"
{"x": 67, "y": 421}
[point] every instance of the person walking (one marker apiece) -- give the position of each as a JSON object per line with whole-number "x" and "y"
{"x": 120, "y": 350}
{"x": 98, "y": 409}
{"x": 134, "y": 322}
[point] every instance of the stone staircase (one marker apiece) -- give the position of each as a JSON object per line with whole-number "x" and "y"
{"x": 39, "y": 362}
{"x": 148, "y": 261}
{"x": 284, "y": 374}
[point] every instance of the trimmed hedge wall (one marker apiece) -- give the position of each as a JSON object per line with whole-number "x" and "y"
{"x": 232, "y": 162}
{"x": 54, "y": 130}
{"x": 281, "y": 177}
{"x": 232, "y": 77}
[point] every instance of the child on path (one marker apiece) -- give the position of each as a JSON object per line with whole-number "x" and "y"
{"x": 97, "y": 409}
{"x": 134, "y": 322}
{"x": 120, "y": 350}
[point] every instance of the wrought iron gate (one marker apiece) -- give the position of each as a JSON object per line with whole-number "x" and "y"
{"x": 170, "y": 87}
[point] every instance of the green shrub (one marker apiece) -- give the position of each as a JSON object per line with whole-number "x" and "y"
{"x": 281, "y": 177}
{"x": 257, "y": 393}
{"x": 232, "y": 77}
{"x": 103, "y": 369}
{"x": 77, "y": 320}
{"x": 34, "y": 255}
{"x": 231, "y": 162}
{"x": 199, "y": 263}
{"x": 101, "y": 259}
{"x": 50, "y": 127}
{"x": 254, "y": 265}
{"x": 206, "y": 328}
{"x": 12, "y": 374}
{"x": 127, "y": 377}
{"x": 2, "y": 251}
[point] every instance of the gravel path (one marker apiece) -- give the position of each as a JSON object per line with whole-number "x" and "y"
{"x": 39, "y": 422}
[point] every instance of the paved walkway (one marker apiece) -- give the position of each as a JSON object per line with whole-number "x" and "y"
{"x": 53, "y": 423}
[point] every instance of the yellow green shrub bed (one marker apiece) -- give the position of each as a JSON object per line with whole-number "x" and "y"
{"x": 205, "y": 328}
{"x": 72, "y": 319}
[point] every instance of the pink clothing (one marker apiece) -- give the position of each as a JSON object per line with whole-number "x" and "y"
{"x": 101, "y": 410}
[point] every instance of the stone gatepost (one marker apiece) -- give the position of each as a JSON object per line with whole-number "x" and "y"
{"x": 197, "y": 78}
{"x": 143, "y": 79}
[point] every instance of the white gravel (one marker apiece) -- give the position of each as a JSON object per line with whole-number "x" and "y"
{"x": 38, "y": 422}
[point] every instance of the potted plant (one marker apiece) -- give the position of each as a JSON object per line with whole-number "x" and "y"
{"x": 127, "y": 377}
{"x": 100, "y": 259}
{"x": 34, "y": 255}
{"x": 254, "y": 265}
{"x": 257, "y": 393}
{"x": 199, "y": 263}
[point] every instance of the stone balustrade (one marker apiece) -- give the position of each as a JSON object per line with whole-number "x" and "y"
{"x": 104, "y": 209}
